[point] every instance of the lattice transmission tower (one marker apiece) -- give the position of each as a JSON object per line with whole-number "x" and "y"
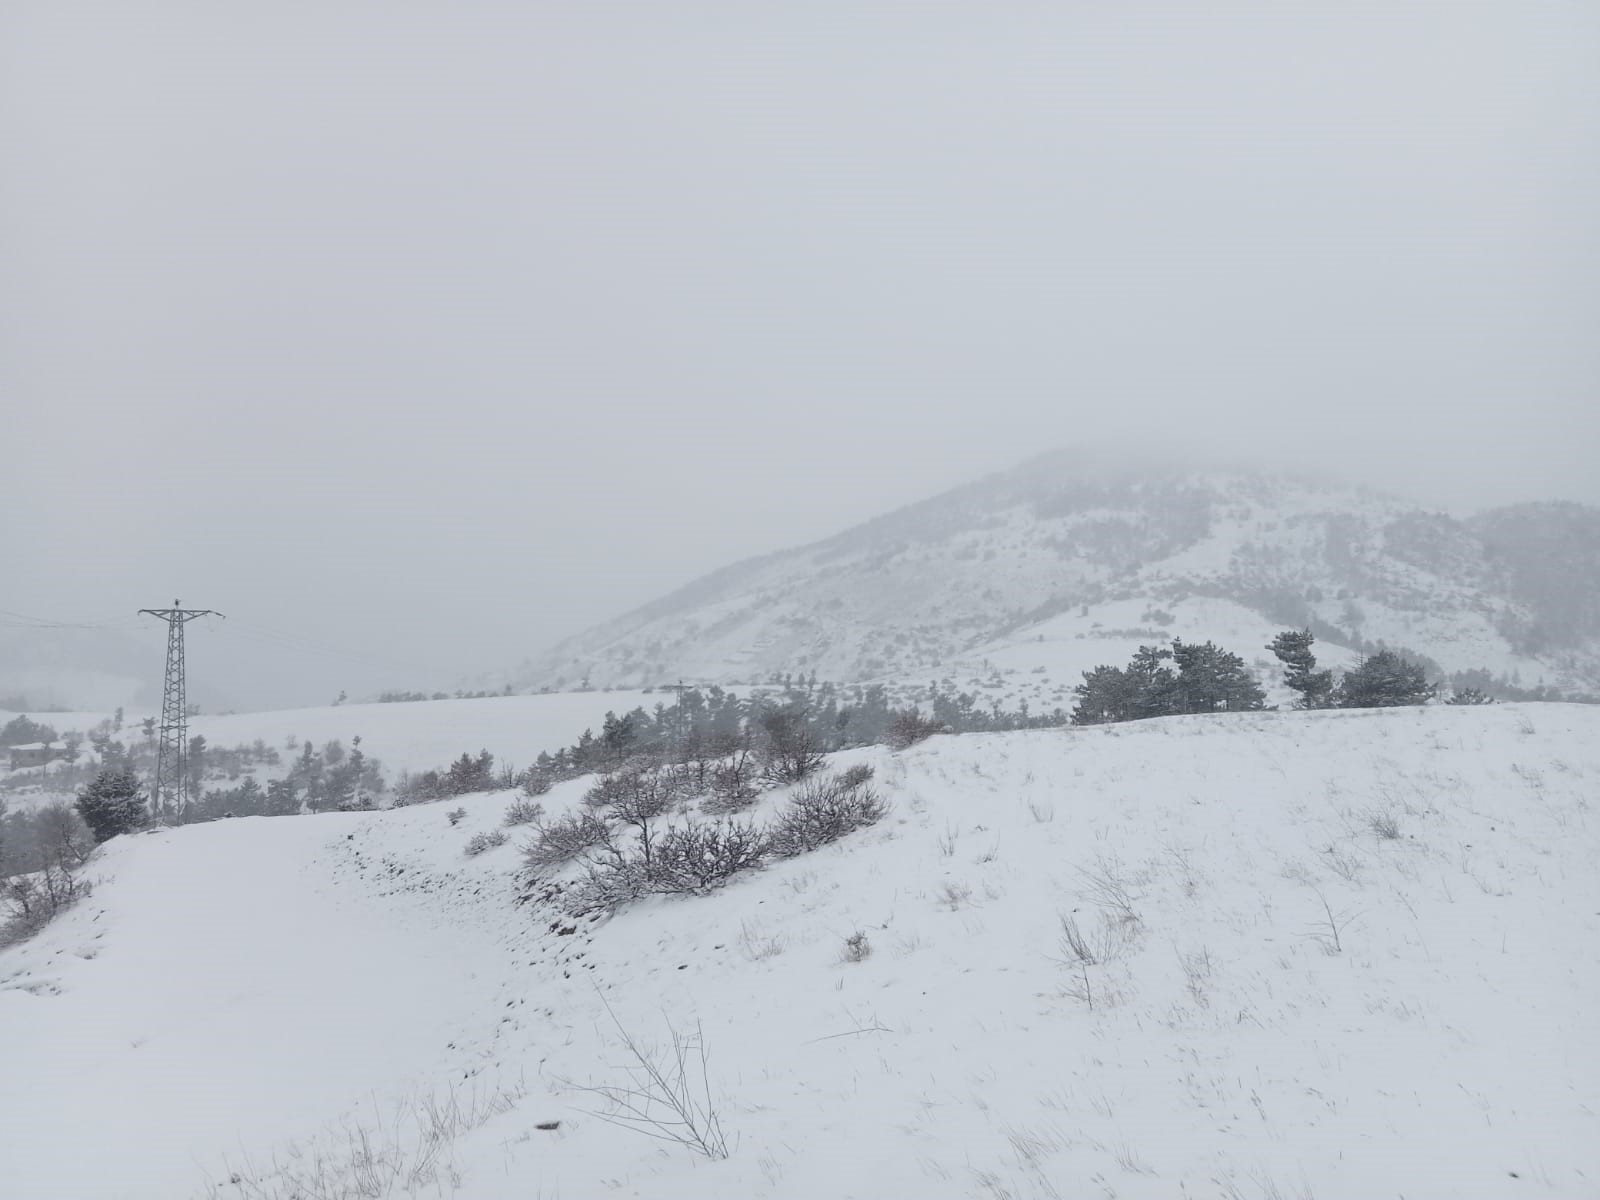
{"x": 172, "y": 755}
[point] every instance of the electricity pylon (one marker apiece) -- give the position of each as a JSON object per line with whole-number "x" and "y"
{"x": 172, "y": 756}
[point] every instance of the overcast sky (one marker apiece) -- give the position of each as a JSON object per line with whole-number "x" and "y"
{"x": 429, "y": 333}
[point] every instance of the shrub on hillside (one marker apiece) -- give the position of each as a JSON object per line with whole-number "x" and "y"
{"x": 700, "y": 856}
{"x": 910, "y": 727}
{"x": 60, "y": 844}
{"x": 634, "y": 795}
{"x": 790, "y": 748}
{"x": 29, "y": 902}
{"x": 606, "y": 885}
{"x": 565, "y": 838}
{"x": 733, "y": 786}
{"x": 523, "y": 812}
{"x": 823, "y": 811}
{"x": 479, "y": 842}
{"x": 855, "y": 776}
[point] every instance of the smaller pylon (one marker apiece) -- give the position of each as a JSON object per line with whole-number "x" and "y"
{"x": 171, "y": 794}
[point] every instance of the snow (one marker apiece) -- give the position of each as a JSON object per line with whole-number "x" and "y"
{"x": 425, "y": 734}
{"x": 234, "y": 988}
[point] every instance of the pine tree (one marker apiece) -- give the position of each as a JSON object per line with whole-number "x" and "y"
{"x": 1293, "y": 650}
{"x": 112, "y": 803}
{"x": 283, "y": 799}
{"x": 1384, "y": 680}
{"x": 1154, "y": 685}
{"x": 1106, "y": 694}
{"x": 1211, "y": 679}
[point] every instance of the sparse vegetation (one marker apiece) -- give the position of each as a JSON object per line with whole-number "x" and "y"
{"x": 480, "y": 842}
{"x": 667, "y": 1095}
{"x": 823, "y": 811}
{"x": 856, "y": 948}
{"x": 523, "y": 812}
{"x": 699, "y": 856}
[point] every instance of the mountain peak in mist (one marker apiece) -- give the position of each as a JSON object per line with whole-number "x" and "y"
{"x": 1059, "y": 563}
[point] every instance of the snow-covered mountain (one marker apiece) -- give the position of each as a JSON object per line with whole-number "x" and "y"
{"x": 1023, "y": 580}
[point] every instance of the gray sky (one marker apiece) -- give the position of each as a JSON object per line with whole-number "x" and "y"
{"x": 432, "y": 332}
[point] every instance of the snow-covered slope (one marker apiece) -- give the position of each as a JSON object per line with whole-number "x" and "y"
{"x": 1091, "y": 560}
{"x": 1294, "y": 1004}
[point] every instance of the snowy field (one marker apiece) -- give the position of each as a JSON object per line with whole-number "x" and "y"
{"x": 1340, "y": 956}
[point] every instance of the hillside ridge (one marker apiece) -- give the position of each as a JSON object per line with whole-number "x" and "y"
{"x": 1063, "y": 549}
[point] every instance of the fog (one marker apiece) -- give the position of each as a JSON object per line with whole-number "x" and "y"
{"x": 416, "y": 336}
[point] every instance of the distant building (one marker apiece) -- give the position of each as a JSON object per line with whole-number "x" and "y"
{"x": 35, "y": 754}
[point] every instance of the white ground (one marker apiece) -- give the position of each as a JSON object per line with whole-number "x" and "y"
{"x": 232, "y": 988}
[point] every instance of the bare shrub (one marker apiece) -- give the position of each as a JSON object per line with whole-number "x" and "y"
{"x": 733, "y": 787}
{"x": 954, "y": 895}
{"x": 856, "y": 776}
{"x": 667, "y": 1095}
{"x": 823, "y": 811}
{"x": 1197, "y": 974}
{"x": 565, "y": 838}
{"x": 701, "y": 856}
{"x": 1345, "y": 865}
{"x": 1106, "y": 885}
{"x": 910, "y": 727}
{"x": 789, "y": 750}
{"x": 1384, "y": 824}
{"x": 758, "y": 945}
{"x": 634, "y": 795}
{"x": 63, "y": 837}
{"x": 1111, "y": 941}
{"x": 456, "y": 816}
{"x": 682, "y": 781}
{"x": 31, "y": 901}
{"x": 856, "y": 948}
{"x": 523, "y": 812}
{"x": 1328, "y": 931}
{"x": 607, "y": 884}
{"x": 479, "y": 842}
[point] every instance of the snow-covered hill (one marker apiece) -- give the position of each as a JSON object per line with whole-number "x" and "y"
{"x": 1063, "y": 564}
{"x": 1292, "y": 1002}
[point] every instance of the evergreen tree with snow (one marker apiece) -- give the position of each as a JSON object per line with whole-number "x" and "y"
{"x": 1106, "y": 694}
{"x": 112, "y": 803}
{"x": 1384, "y": 680}
{"x": 283, "y": 798}
{"x": 1211, "y": 679}
{"x": 1313, "y": 687}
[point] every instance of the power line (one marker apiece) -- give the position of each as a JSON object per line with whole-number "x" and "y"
{"x": 172, "y": 756}
{"x": 24, "y": 621}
